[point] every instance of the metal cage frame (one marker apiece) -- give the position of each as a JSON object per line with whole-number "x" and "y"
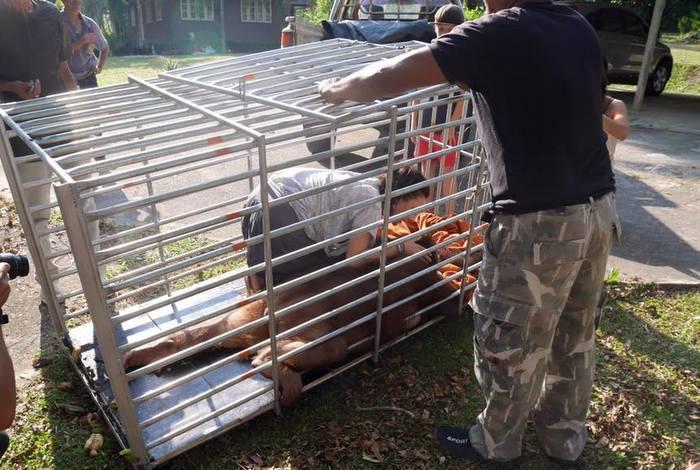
{"x": 216, "y": 126}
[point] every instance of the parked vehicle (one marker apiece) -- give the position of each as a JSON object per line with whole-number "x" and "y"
{"x": 377, "y": 21}
{"x": 623, "y": 35}
{"x": 622, "y": 32}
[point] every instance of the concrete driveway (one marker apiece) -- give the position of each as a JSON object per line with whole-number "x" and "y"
{"x": 658, "y": 197}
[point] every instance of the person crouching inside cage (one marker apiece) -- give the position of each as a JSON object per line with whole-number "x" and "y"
{"x": 337, "y": 196}
{"x": 446, "y": 18}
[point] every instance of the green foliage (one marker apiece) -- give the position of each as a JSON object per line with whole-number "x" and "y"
{"x": 318, "y": 10}
{"x": 674, "y": 11}
{"x": 690, "y": 24}
{"x": 474, "y": 13}
{"x": 613, "y": 277}
{"x": 170, "y": 64}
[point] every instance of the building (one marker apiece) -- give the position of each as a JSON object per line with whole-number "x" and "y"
{"x": 196, "y": 25}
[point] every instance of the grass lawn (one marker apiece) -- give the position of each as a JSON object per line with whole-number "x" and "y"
{"x": 645, "y": 413}
{"x": 149, "y": 66}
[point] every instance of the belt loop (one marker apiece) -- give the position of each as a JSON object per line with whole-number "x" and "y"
{"x": 591, "y": 201}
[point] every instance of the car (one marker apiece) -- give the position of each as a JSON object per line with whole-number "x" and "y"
{"x": 376, "y": 21}
{"x": 623, "y": 35}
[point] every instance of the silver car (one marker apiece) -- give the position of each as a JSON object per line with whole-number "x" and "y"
{"x": 623, "y": 34}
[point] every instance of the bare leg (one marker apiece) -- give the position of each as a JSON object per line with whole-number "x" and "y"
{"x": 324, "y": 355}
{"x": 200, "y": 333}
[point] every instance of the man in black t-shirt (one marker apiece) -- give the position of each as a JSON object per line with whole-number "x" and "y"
{"x": 34, "y": 49}
{"x": 534, "y": 71}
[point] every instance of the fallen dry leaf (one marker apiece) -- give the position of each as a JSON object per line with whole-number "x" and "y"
{"x": 93, "y": 444}
{"x": 75, "y": 354}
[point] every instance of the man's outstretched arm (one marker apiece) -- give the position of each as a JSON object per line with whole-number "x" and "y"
{"x": 385, "y": 78}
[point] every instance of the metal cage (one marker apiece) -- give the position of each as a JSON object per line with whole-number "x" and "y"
{"x": 140, "y": 236}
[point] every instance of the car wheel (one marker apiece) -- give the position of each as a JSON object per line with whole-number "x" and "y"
{"x": 658, "y": 79}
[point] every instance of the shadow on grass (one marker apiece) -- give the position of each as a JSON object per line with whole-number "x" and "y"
{"x": 647, "y": 391}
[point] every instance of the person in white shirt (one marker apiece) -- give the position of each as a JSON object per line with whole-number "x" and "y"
{"x": 296, "y": 180}
{"x": 616, "y": 122}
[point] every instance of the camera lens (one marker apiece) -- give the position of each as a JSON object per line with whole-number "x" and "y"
{"x": 19, "y": 265}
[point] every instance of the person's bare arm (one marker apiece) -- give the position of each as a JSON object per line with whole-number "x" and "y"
{"x": 8, "y": 391}
{"x": 25, "y": 90}
{"x": 67, "y": 76}
{"x": 456, "y": 116}
{"x": 385, "y": 78}
{"x": 616, "y": 121}
{"x": 104, "y": 55}
{"x": 87, "y": 38}
{"x": 361, "y": 243}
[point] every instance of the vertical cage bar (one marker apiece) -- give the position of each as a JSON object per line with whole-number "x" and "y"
{"x": 78, "y": 234}
{"x": 269, "y": 280}
{"x": 33, "y": 238}
{"x": 474, "y": 220}
{"x": 385, "y": 235}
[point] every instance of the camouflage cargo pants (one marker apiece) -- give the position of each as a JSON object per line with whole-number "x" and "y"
{"x": 534, "y": 329}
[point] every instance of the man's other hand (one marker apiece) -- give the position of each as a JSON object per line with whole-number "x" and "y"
{"x": 88, "y": 38}
{"x": 330, "y": 92}
{"x": 26, "y": 90}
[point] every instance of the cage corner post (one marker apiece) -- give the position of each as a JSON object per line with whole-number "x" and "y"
{"x": 14, "y": 181}
{"x": 391, "y": 154}
{"x": 77, "y": 228}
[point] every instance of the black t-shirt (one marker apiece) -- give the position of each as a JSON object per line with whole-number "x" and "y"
{"x": 32, "y": 46}
{"x": 534, "y": 71}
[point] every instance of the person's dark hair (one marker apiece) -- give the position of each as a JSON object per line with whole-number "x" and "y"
{"x": 402, "y": 178}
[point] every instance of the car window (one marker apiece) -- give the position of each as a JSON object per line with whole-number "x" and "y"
{"x": 609, "y": 21}
{"x": 633, "y": 25}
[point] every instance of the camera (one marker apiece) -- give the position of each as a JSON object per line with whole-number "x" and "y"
{"x": 19, "y": 264}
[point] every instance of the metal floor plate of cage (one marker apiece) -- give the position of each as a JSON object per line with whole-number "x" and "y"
{"x": 144, "y": 326}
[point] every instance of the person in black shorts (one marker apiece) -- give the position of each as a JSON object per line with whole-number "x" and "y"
{"x": 533, "y": 68}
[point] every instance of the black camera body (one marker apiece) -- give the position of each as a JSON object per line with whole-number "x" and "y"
{"x": 19, "y": 264}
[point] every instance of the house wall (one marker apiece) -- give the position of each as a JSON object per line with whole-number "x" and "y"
{"x": 254, "y": 36}
{"x": 173, "y": 34}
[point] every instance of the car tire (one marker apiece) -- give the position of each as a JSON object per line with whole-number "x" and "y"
{"x": 658, "y": 79}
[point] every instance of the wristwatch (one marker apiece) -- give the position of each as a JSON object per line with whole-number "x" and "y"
{"x": 4, "y": 319}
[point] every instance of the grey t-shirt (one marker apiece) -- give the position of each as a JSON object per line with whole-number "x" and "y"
{"x": 83, "y": 61}
{"x": 296, "y": 180}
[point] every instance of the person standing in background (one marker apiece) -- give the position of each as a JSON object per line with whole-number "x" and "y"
{"x": 34, "y": 51}
{"x": 85, "y": 36}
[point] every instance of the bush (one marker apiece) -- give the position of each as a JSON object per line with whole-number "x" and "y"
{"x": 317, "y": 11}
{"x": 474, "y": 13}
{"x": 690, "y": 24}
